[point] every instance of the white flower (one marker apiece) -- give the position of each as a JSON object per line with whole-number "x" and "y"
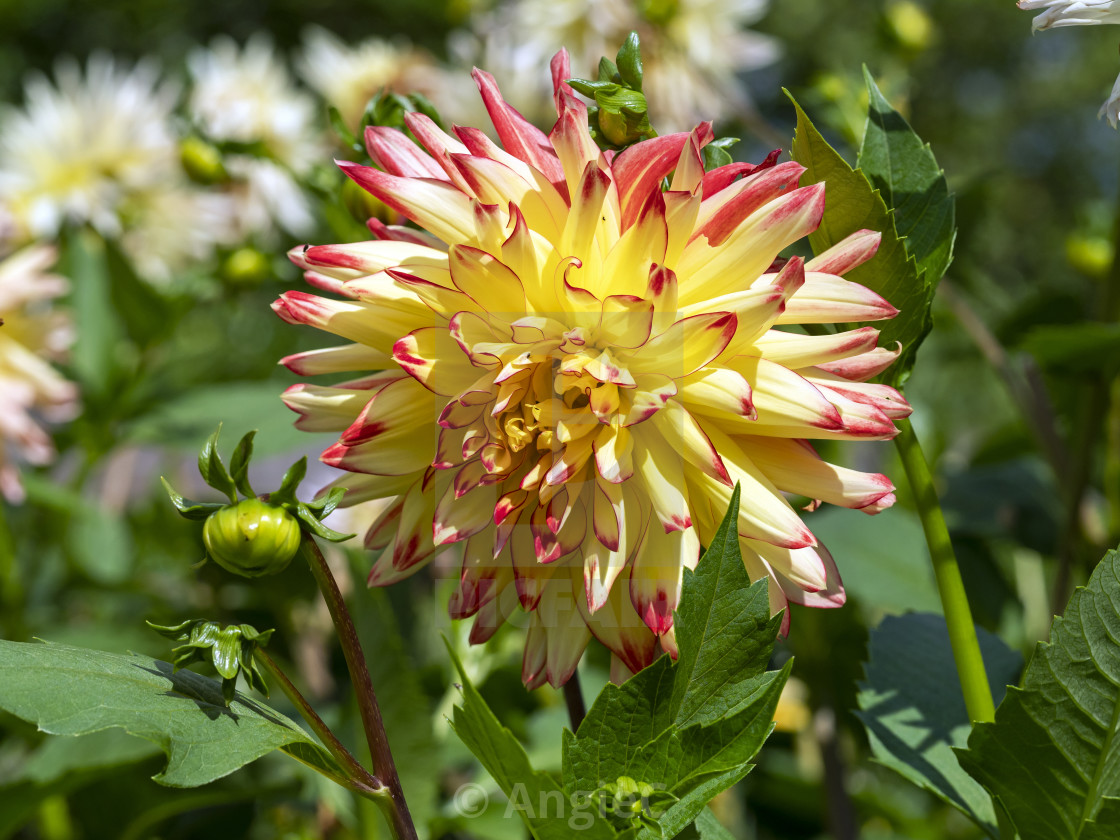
{"x": 1071, "y": 13}
{"x": 79, "y": 146}
{"x": 692, "y": 52}
{"x": 1111, "y": 107}
{"x": 246, "y": 95}
{"x": 30, "y": 388}
{"x": 158, "y": 242}
{"x": 347, "y": 77}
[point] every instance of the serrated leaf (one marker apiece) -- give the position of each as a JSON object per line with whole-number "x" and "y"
{"x": 213, "y": 469}
{"x": 239, "y": 464}
{"x": 724, "y": 630}
{"x": 692, "y": 727}
{"x": 506, "y": 761}
{"x": 1053, "y": 755}
{"x": 851, "y": 204}
{"x": 914, "y": 712}
{"x": 905, "y": 172}
{"x": 74, "y": 691}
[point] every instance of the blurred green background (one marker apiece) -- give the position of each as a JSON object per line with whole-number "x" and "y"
{"x": 1015, "y": 395}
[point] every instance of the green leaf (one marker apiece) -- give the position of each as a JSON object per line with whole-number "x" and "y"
{"x": 213, "y": 469}
{"x": 724, "y": 630}
{"x": 690, "y": 728}
{"x": 98, "y": 329}
{"x": 913, "y": 710}
{"x": 1053, "y": 755}
{"x": 290, "y": 483}
{"x": 505, "y": 760}
{"x": 709, "y": 828}
{"x": 852, "y": 204}
{"x": 74, "y": 691}
{"x": 905, "y": 172}
{"x": 239, "y": 465}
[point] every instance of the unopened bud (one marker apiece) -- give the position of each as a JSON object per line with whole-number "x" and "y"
{"x": 252, "y": 538}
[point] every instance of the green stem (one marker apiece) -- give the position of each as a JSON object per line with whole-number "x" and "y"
{"x": 396, "y": 810}
{"x": 954, "y": 601}
{"x": 366, "y": 784}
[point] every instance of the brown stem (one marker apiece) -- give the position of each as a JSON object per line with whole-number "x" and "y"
{"x": 400, "y": 820}
{"x": 573, "y": 696}
{"x": 366, "y": 783}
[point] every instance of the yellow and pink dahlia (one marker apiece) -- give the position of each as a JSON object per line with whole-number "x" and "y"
{"x": 569, "y": 368}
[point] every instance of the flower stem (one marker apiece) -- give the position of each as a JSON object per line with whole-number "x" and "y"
{"x": 400, "y": 820}
{"x": 573, "y": 696}
{"x": 954, "y": 601}
{"x": 367, "y": 784}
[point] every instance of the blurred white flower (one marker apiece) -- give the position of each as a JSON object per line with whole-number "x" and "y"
{"x": 30, "y": 389}
{"x": 167, "y": 230}
{"x": 246, "y": 95}
{"x": 1071, "y": 12}
{"x": 691, "y": 49}
{"x": 347, "y": 77}
{"x": 1111, "y": 107}
{"x": 79, "y": 146}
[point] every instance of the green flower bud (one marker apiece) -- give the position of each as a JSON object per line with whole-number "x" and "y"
{"x": 246, "y": 267}
{"x": 252, "y": 538}
{"x": 202, "y": 161}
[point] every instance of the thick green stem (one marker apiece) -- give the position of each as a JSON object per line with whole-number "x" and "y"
{"x": 363, "y": 782}
{"x": 958, "y": 616}
{"x": 397, "y": 814}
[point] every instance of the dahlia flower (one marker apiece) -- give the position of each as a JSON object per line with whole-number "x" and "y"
{"x": 347, "y": 76}
{"x": 693, "y": 50}
{"x": 78, "y": 148}
{"x": 245, "y": 94}
{"x": 568, "y": 370}
{"x": 30, "y": 334}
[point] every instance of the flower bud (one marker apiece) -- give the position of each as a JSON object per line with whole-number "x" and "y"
{"x": 252, "y": 538}
{"x": 202, "y": 161}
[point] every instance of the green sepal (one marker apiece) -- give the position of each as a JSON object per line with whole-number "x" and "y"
{"x": 230, "y": 650}
{"x": 325, "y": 505}
{"x": 589, "y": 88}
{"x": 213, "y": 469}
{"x": 608, "y": 71}
{"x": 715, "y": 154}
{"x": 187, "y": 508}
{"x": 286, "y": 494}
{"x": 629, "y": 60}
{"x": 239, "y": 464}
{"x": 311, "y": 521}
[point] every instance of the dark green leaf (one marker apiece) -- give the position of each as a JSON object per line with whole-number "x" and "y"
{"x": 1052, "y": 755}
{"x": 853, "y": 204}
{"x": 914, "y": 712}
{"x": 724, "y": 630}
{"x": 239, "y": 464}
{"x": 74, "y": 691}
{"x": 905, "y": 172}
